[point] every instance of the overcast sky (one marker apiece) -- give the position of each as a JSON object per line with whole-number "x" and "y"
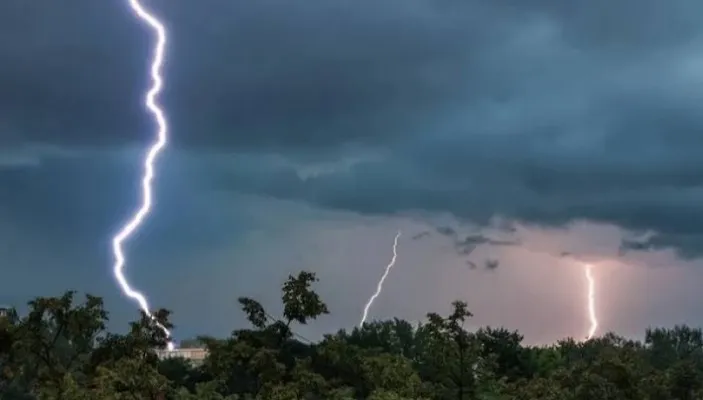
{"x": 304, "y": 134}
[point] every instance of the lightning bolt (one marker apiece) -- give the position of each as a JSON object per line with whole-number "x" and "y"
{"x": 157, "y": 60}
{"x": 379, "y": 287}
{"x": 591, "y": 302}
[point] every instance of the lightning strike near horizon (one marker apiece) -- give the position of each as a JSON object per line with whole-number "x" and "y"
{"x": 591, "y": 302}
{"x": 157, "y": 60}
{"x": 379, "y": 287}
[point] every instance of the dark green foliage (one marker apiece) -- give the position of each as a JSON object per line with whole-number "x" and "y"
{"x": 60, "y": 350}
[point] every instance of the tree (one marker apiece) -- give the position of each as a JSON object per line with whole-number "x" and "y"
{"x": 61, "y": 350}
{"x": 450, "y": 356}
{"x": 126, "y": 366}
{"x": 504, "y": 348}
{"x": 13, "y": 383}
{"x": 54, "y": 341}
{"x": 391, "y": 373}
{"x": 257, "y": 361}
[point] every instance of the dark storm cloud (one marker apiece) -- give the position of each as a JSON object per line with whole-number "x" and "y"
{"x": 476, "y": 240}
{"x": 538, "y": 112}
{"x": 446, "y": 231}
{"x": 633, "y": 245}
{"x": 64, "y": 73}
{"x": 421, "y": 235}
{"x": 468, "y": 244}
{"x": 491, "y": 264}
{"x": 687, "y": 246}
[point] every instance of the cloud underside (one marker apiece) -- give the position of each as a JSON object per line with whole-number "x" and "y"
{"x": 541, "y": 113}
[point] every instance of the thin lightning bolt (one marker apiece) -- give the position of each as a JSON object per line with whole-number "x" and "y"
{"x": 137, "y": 218}
{"x": 379, "y": 287}
{"x": 591, "y": 302}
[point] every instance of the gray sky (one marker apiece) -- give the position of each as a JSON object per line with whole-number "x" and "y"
{"x": 305, "y": 134}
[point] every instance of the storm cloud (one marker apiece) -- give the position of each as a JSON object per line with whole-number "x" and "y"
{"x": 534, "y": 112}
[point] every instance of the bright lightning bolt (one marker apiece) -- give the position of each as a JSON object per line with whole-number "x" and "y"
{"x": 137, "y": 218}
{"x": 591, "y": 302}
{"x": 379, "y": 287}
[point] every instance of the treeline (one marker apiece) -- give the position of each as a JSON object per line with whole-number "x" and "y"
{"x": 61, "y": 350}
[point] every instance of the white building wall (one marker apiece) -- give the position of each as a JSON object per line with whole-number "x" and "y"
{"x": 195, "y": 355}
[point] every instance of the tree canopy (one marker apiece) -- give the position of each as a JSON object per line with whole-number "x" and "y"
{"x": 61, "y": 350}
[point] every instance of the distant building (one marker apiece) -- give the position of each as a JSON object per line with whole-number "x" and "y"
{"x": 194, "y": 355}
{"x": 4, "y": 311}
